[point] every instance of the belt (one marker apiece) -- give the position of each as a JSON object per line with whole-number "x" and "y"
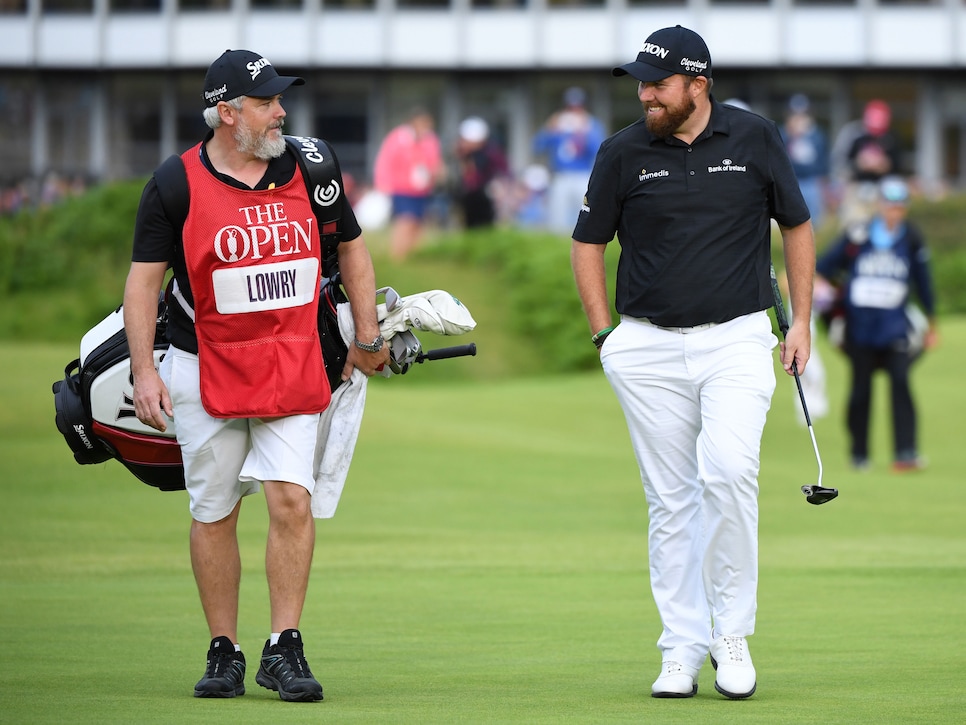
{"x": 679, "y": 330}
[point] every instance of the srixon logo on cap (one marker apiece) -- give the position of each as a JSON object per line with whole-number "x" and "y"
{"x": 255, "y": 67}
{"x": 653, "y": 49}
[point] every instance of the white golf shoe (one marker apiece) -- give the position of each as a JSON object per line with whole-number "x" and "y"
{"x": 736, "y": 677}
{"x": 675, "y": 680}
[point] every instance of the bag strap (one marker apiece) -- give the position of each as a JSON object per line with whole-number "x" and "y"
{"x": 323, "y": 179}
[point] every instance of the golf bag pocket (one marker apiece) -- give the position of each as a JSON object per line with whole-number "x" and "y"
{"x": 74, "y": 420}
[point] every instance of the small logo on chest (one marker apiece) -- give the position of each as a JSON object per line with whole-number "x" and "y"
{"x": 645, "y": 175}
{"x": 727, "y": 165}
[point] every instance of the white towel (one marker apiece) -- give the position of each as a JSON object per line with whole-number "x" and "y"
{"x": 338, "y": 431}
{"x": 434, "y": 311}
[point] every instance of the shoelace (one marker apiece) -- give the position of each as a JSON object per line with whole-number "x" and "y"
{"x": 294, "y": 664}
{"x": 219, "y": 665}
{"x": 737, "y": 648}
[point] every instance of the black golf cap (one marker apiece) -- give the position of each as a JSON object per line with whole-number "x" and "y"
{"x": 244, "y": 73}
{"x": 666, "y": 52}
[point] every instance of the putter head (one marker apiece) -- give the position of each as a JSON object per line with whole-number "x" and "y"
{"x": 819, "y": 494}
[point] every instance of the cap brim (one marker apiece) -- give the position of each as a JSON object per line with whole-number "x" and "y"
{"x": 274, "y": 86}
{"x": 642, "y": 71}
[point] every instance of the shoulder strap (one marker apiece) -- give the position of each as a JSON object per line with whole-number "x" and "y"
{"x": 172, "y": 183}
{"x": 323, "y": 179}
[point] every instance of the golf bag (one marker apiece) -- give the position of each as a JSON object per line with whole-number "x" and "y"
{"x": 94, "y": 402}
{"x": 94, "y": 406}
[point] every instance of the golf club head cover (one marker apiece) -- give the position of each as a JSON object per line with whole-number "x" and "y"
{"x": 435, "y": 311}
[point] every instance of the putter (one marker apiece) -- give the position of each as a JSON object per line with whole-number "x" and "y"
{"x": 817, "y": 494}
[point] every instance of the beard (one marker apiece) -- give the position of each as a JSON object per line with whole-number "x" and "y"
{"x": 262, "y": 146}
{"x": 671, "y": 120}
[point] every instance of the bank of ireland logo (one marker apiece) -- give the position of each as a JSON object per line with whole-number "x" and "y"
{"x": 327, "y": 196}
{"x": 727, "y": 165}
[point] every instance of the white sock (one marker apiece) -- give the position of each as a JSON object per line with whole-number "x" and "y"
{"x": 273, "y": 640}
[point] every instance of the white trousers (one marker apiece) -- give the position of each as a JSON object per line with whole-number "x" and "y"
{"x": 695, "y": 403}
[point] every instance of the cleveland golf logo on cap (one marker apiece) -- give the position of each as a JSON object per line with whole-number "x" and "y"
{"x": 696, "y": 67}
{"x": 216, "y": 93}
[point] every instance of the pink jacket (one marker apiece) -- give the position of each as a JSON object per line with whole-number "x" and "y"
{"x": 406, "y": 164}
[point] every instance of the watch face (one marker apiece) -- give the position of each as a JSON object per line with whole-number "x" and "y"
{"x": 374, "y": 346}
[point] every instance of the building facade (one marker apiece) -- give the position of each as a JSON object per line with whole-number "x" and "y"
{"x": 108, "y": 88}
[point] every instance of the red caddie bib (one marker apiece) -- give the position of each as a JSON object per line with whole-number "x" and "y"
{"x": 254, "y": 265}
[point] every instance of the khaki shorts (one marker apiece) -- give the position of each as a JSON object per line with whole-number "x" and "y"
{"x": 227, "y": 458}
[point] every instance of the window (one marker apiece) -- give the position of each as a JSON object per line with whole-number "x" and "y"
{"x": 423, "y": 4}
{"x": 67, "y": 6}
{"x": 16, "y": 114}
{"x": 13, "y": 7}
{"x": 204, "y": 4}
{"x": 135, "y": 6}
{"x": 276, "y": 4}
{"x": 342, "y": 119}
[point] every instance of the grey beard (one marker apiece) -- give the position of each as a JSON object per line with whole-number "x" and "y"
{"x": 261, "y": 147}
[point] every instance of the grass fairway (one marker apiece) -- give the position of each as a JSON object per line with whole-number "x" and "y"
{"x": 488, "y": 565}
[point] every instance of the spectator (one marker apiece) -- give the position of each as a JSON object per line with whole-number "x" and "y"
{"x": 871, "y": 155}
{"x": 807, "y": 147}
{"x": 877, "y": 264}
{"x": 569, "y": 139}
{"x": 408, "y": 167}
{"x": 530, "y": 203}
{"x": 482, "y": 164}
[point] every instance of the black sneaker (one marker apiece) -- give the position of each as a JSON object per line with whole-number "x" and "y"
{"x": 225, "y": 672}
{"x": 283, "y": 668}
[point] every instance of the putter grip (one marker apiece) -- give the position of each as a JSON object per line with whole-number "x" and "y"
{"x": 776, "y": 293}
{"x": 446, "y": 352}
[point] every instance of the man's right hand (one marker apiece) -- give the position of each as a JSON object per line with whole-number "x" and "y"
{"x": 151, "y": 400}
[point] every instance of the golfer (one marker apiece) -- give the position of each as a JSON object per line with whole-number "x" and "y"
{"x": 690, "y": 191}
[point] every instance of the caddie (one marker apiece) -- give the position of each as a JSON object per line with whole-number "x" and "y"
{"x": 243, "y": 382}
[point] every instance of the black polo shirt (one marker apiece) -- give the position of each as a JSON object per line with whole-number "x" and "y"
{"x": 693, "y": 221}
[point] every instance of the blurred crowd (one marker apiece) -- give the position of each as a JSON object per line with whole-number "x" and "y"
{"x": 840, "y": 180}
{"x": 420, "y": 179}
{"x": 39, "y": 192}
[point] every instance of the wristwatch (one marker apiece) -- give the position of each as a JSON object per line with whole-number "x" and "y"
{"x": 374, "y": 346}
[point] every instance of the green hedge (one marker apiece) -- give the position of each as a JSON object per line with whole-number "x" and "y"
{"x": 532, "y": 270}
{"x": 62, "y": 269}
